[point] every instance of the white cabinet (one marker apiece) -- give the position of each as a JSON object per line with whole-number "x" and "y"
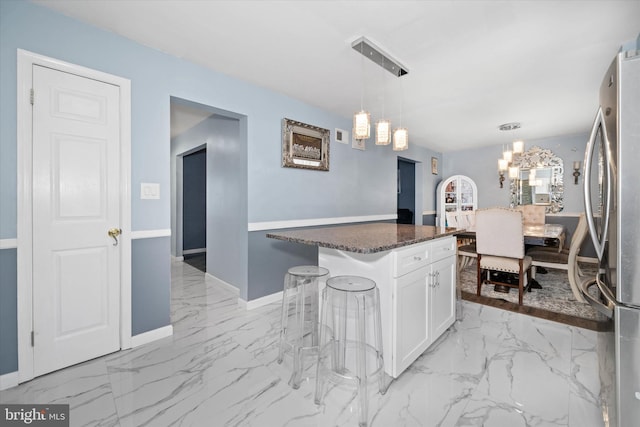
{"x": 424, "y": 301}
{"x": 411, "y": 333}
{"x": 442, "y": 296}
{"x": 417, "y": 293}
{"x": 457, "y": 193}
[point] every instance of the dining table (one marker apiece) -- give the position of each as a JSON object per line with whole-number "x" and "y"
{"x": 549, "y": 235}
{"x": 552, "y": 235}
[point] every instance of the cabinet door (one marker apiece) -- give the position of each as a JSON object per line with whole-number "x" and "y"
{"x": 411, "y": 318}
{"x": 442, "y": 289}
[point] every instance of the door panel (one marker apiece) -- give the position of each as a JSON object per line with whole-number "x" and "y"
{"x": 76, "y": 267}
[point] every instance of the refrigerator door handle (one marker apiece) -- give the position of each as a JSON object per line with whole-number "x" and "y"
{"x": 604, "y": 308}
{"x": 598, "y": 242}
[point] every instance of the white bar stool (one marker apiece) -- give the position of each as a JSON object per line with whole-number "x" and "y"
{"x": 299, "y": 322}
{"x": 350, "y": 348}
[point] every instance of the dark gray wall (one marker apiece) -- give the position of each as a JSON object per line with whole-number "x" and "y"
{"x": 8, "y": 311}
{"x": 150, "y": 297}
{"x": 269, "y": 260}
{"x": 194, "y": 200}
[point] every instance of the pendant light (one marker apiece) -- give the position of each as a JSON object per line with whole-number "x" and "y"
{"x": 400, "y": 135}
{"x": 362, "y": 119}
{"x": 383, "y": 126}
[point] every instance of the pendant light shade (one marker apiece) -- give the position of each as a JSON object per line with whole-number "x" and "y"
{"x": 400, "y": 139}
{"x": 518, "y": 147}
{"x": 361, "y": 125}
{"x": 383, "y": 132}
{"x": 508, "y": 156}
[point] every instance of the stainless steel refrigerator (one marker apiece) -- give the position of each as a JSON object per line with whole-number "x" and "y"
{"x": 612, "y": 204}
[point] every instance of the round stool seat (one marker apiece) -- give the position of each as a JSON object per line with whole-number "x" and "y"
{"x": 351, "y": 284}
{"x": 308, "y": 270}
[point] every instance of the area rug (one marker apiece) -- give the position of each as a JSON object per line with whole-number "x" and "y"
{"x": 555, "y": 297}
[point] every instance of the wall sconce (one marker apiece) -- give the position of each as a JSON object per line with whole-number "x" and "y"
{"x": 576, "y": 172}
{"x": 503, "y": 165}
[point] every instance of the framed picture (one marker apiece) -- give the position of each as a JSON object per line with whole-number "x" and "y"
{"x": 341, "y": 136}
{"x": 304, "y": 146}
{"x": 434, "y": 165}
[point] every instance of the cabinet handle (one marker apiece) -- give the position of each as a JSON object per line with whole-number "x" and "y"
{"x": 417, "y": 258}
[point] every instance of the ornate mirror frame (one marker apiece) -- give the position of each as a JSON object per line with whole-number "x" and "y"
{"x": 541, "y": 157}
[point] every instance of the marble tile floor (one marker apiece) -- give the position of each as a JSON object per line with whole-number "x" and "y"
{"x": 492, "y": 368}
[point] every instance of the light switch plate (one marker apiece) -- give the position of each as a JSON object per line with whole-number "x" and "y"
{"x": 149, "y": 190}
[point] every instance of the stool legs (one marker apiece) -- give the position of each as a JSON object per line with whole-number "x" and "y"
{"x": 361, "y": 360}
{"x": 299, "y": 317}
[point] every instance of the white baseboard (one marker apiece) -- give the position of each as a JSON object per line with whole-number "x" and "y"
{"x": 177, "y": 258}
{"x": 194, "y": 251}
{"x": 246, "y": 305}
{"x": 150, "y": 336}
{"x": 8, "y": 380}
{"x": 259, "y": 302}
{"x": 213, "y": 279}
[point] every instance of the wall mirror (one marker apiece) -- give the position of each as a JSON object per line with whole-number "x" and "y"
{"x": 539, "y": 180}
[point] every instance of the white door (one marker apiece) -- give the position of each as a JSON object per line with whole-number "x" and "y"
{"x": 76, "y": 267}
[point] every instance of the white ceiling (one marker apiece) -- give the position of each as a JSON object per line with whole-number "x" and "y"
{"x": 473, "y": 65}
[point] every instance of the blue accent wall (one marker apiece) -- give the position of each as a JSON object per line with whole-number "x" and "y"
{"x": 8, "y": 311}
{"x": 150, "y": 297}
{"x": 194, "y": 200}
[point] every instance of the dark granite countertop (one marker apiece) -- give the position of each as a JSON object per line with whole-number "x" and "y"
{"x": 364, "y": 238}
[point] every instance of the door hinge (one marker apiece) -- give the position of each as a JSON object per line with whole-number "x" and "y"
{"x": 32, "y": 339}
{"x": 31, "y": 96}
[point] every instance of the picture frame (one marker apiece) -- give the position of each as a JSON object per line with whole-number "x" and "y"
{"x": 304, "y": 146}
{"x": 434, "y": 165}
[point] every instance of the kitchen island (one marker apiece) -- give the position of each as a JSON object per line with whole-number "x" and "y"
{"x": 414, "y": 267}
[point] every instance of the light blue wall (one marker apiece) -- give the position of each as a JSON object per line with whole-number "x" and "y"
{"x": 227, "y": 202}
{"x": 481, "y": 165}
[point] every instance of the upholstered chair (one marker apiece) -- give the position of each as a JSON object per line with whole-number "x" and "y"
{"x": 533, "y": 214}
{"x": 500, "y": 248}
{"x": 566, "y": 259}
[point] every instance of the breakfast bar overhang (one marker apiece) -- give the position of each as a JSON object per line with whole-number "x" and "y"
{"x": 414, "y": 267}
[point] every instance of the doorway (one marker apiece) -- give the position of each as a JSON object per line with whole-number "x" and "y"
{"x": 222, "y": 135}
{"x": 74, "y": 244}
{"x": 406, "y": 191}
{"x": 194, "y": 209}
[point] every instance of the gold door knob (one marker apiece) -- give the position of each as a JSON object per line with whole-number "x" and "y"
{"x": 114, "y": 232}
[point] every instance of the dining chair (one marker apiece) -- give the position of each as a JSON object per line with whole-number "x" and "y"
{"x": 566, "y": 259}
{"x": 466, "y": 246}
{"x": 533, "y": 214}
{"x": 452, "y": 219}
{"x": 500, "y": 248}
